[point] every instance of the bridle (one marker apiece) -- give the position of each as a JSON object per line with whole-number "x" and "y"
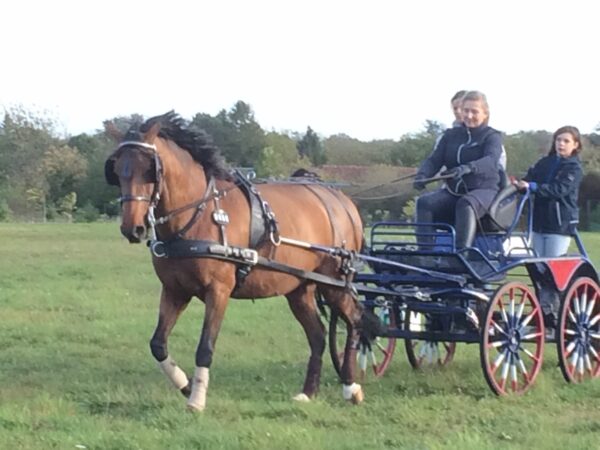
{"x": 155, "y": 197}
{"x": 211, "y": 193}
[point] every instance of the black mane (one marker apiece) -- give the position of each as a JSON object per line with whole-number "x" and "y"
{"x": 195, "y": 141}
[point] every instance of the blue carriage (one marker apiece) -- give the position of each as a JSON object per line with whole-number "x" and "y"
{"x": 433, "y": 295}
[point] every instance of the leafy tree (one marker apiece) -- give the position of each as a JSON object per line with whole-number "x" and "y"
{"x": 93, "y": 188}
{"x": 524, "y": 148}
{"x": 342, "y": 149}
{"x": 24, "y": 138}
{"x": 66, "y": 205}
{"x": 310, "y": 146}
{"x": 36, "y": 197}
{"x": 236, "y": 132}
{"x": 279, "y": 158}
{"x": 63, "y": 168}
{"x": 413, "y": 148}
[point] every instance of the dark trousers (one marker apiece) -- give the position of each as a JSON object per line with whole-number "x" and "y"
{"x": 441, "y": 206}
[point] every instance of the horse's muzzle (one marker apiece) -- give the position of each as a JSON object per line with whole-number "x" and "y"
{"x": 134, "y": 234}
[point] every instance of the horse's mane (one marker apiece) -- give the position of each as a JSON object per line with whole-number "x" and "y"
{"x": 195, "y": 141}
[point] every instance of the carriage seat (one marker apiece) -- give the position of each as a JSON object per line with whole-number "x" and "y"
{"x": 503, "y": 209}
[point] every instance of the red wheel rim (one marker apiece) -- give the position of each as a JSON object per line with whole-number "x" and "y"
{"x": 512, "y": 340}
{"x": 579, "y": 332}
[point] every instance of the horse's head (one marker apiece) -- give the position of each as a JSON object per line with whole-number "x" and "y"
{"x": 136, "y": 168}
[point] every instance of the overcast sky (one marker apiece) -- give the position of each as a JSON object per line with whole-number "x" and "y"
{"x": 370, "y": 69}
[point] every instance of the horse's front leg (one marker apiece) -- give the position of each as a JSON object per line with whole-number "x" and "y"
{"x": 171, "y": 306}
{"x": 216, "y": 300}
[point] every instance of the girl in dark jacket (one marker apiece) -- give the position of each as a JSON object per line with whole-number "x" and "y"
{"x": 471, "y": 153}
{"x": 555, "y": 180}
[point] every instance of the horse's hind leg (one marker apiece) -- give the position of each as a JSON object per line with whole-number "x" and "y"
{"x": 303, "y": 306}
{"x": 351, "y": 313}
{"x": 171, "y": 306}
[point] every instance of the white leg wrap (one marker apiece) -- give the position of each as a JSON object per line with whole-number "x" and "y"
{"x": 197, "y": 400}
{"x": 350, "y": 390}
{"x": 301, "y": 397}
{"x": 174, "y": 373}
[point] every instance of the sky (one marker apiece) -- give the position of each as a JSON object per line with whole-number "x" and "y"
{"x": 369, "y": 69}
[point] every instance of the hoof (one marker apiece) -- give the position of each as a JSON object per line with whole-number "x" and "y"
{"x": 357, "y": 397}
{"x": 194, "y": 408}
{"x": 302, "y": 397}
{"x": 353, "y": 393}
{"x": 186, "y": 391}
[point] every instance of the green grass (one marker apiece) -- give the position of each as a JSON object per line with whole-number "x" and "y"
{"x": 78, "y": 306}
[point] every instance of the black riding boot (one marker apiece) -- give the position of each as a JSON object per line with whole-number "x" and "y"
{"x": 465, "y": 224}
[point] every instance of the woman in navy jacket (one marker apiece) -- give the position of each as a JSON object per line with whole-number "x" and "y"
{"x": 471, "y": 153}
{"x": 555, "y": 180}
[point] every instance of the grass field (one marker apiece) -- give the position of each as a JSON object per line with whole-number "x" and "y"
{"x": 77, "y": 308}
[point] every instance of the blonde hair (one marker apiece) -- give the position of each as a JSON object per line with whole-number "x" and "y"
{"x": 477, "y": 96}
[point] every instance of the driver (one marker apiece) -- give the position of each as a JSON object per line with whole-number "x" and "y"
{"x": 471, "y": 155}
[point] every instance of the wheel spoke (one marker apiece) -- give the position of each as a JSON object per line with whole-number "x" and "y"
{"x": 572, "y": 316}
{"x": 529, "y": 317}
{"x": 595, "y": 353}
{"x": 372, "y": 358}
{"x": 588, "y": 363}
{"x": 528, "y": 353}
{"x": 570, "y": 347}
{"x": 531, "y": 336}
{"x": 580, "y": 362}
{"x": 505, "y": 367}
{"x": 497, "y": 344}
{"x": 523, "y": 368}
{"x": 512, "y": 308}
{"x": 499, "y": 360}
{"x": 520, "y": 311}
{"x": 590, "y": 308}
{"x": 576, "y": 304}
{"x": 503, "y": 312}
{"x": 595, "y": 320}
{"x": 583, "y": 306}
{"x": 575, "y": 357}
{"x": 499, "y": 328}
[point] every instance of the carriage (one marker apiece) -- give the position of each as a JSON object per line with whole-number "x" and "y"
{"x": 432, "y": 295}
{"x": 215, "y": 235}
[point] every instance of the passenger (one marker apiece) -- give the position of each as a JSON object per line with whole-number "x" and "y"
{"x": 555, "y": 180}
{"x": 471, "y": 154}
{"x": 456, "y": 103}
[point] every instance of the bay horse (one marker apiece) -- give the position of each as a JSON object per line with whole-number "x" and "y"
{"x": 175, "y": 184}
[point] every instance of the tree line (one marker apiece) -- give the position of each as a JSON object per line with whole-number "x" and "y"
{"x": 45, "y": 175}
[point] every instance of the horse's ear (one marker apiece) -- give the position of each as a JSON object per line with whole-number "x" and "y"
{"x": 112, "y": 131}
{"x": 151, "y": 134}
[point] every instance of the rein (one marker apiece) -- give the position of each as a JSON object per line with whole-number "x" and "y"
{"x": 398, "y": 193}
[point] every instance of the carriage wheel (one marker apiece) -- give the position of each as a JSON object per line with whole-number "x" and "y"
{"x": 423, "y": 354}
{"x": 512, "y": 339}
{"x": 578, "y": 341}
{"x": 377, "y": 352}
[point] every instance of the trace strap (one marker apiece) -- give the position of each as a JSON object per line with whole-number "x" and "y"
{"x": 211, "y": 249}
